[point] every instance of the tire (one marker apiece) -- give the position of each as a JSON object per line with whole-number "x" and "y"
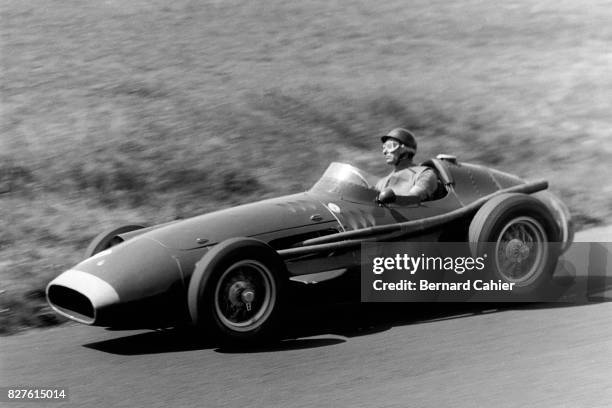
{"x": 108, "y": 239}
{"x": 520, "y": 237}
{"x": 236, "y": 293}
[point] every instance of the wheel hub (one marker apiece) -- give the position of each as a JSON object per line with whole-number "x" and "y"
{"x": 248, "y": 295}
{"x": 517, "y": 250}
{"x": 241, "y": 293}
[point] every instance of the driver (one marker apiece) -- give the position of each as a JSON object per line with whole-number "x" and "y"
{"x": 406, "y": 179}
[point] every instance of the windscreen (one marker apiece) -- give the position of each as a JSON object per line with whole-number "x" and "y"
{"x": 347, "y": 183}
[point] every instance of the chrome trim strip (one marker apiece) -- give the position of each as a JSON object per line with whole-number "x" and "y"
{"x": 319, "y": 276}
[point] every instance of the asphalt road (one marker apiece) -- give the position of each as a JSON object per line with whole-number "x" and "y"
{"x": 421, "y": 355}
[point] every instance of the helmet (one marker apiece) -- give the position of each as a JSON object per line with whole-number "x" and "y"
{"x": 404, "y": 136}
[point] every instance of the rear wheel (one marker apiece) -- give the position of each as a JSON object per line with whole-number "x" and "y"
{"x": 519, "y": 236}
{"x": 109, "y": 238}
{"x": 236, "y": 291}
{"x": 521, "y": 250}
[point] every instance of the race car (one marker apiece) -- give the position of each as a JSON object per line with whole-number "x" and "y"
{"x": 227, "y": 272}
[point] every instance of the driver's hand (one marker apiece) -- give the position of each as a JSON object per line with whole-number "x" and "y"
{"x": 385, "y": 196}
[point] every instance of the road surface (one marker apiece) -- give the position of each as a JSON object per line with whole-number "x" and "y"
{"x": 459, "y": 355}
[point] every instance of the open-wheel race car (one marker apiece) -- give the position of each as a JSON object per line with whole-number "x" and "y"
{"x": 227, "y": 272}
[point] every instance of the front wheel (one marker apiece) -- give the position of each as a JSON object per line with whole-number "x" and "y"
{"x": 236, "y": 291}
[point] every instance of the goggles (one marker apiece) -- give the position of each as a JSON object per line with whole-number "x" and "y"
{"x": 390, "y": 145}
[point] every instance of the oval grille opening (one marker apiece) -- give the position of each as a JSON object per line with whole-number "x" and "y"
{"x": 71, "y": 303}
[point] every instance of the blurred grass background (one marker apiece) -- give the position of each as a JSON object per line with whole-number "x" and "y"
{"x": 146, "y": 111}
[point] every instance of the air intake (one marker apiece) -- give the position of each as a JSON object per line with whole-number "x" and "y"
{"x": 71, "y": 303}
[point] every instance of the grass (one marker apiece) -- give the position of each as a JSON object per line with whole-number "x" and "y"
{"x": 148, "y": 111}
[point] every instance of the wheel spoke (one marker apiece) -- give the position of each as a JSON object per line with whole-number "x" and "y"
{"x": 516, "y": 232}
{"x": 529, "y": 243}
{"x": 518, "y": 269}
{"x": 501, "y": 253}
{"x": 507, "y": 264}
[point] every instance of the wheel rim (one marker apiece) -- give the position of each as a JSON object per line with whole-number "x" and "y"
{"x": 245, "y": 295}
{"x": 521, "y": 251}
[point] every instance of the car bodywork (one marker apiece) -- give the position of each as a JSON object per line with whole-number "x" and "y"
{"x": 143, "y": 281}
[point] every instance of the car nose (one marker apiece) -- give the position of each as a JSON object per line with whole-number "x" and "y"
{"x": 80, "y": 295}
{"x": 129, "y": 272}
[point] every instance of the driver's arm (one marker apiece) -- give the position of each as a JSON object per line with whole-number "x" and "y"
{"x": 381, "y": 184}
{"x": 425, "y": 186}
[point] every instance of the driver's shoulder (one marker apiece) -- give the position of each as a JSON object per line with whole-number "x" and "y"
{"x": 416, "y": 170}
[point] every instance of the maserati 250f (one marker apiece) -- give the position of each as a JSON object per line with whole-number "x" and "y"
{"x": 226, "y": 272}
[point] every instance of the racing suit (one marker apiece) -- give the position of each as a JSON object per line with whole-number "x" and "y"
{"x": 408, "y": 179}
